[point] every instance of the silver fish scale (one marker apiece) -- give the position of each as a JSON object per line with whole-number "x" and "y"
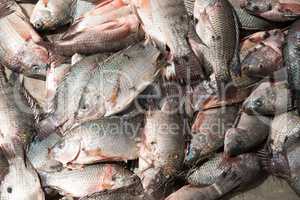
{"x": 218, "y": 35}
{"x": 283, "y": 127}
{"x": 207, "y": 173}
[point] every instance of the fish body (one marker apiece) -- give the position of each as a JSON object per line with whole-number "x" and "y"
{"x": 268, "y": 99}
{"x": 283, "y": 128}
{"x": 51, "y": 14}
{"x": 117, "y": 82}
{"x": 90, "y": 179}
{"x": 292, "y": 61}
{"x": 108, "y": 139}
{"x": 274, "y": 10}
{"x": 67, "y": 98}
{"x": 250, "y": 132}
{"x": 19, "y": 50}
{"x": 109, "y": 27}
{"x": 220, "y": 38}
{"x": 208, "y": 132}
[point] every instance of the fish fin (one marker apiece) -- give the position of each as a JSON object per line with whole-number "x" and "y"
{"x": 13, "y": 149}
{"x": 235, "y": 65}
{"x": 189, "y": 6}
{"x": 103, "y": 3}
{"x": 6, "y": 8}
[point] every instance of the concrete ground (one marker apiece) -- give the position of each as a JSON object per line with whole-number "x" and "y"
{"x": 270, "y": 189}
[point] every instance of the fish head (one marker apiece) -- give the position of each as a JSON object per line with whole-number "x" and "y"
{"x": 65, "y": 151}
{"x": 258, "y": 6}
{"x": 34, "y": 61}
{"x": 91, "y": 106}
{"x": 261, "y": 101}
{"x": 233, "y": 143}
{"x": 254, "y": 64}
{"x": 41, "y": 17}
{"x": 21, "y": 183}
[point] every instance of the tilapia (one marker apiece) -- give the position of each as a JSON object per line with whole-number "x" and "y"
{"x": 250, "y": 132}
{"x": 246, "y": 166}
{"x": 83, "y": 7}
{"x": 274, "y": 10}
{"x": 266, "y": 57}
{"x": 50, "y": 14}
{"x": 208, "y": 132}
{"x": 21, "y": 181}
{"x": 109, "y": 27}
{"x": 68, "y": 95}
{"x": 27, "y": 8}
{"x": 90, "y": 179}
{"x": 118, "y": 81}
{"x": 225, "y": 183}
{"x": 284, "y": 127}
{"x": 268, "y": 99}
{"x": 108, "y": 139}
{"x": 19, "y": 48}
{"x": 292, "y": 61}
{"x": 167, "y": 24}
{"x": 38, "y": 154}
{"x": 220, "y": 38}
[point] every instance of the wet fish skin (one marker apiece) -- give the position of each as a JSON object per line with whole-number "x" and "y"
{"x": 19, "y": 49}
{"x": 284, "y": 127}
{"x": 292, "y": 61}
{"x": 110, "y": 27}
{"x": 51, "y": 14}
{"x": 37, "y": 154}
{"x": 268, "y": 99}
{"x": 118, "y": 80}
{"x": 250, "y": 132}
{"x": 108, "y": 139}
{"x": 68, "y": 95}
{"x": 96, "y": 178}
{"x": 246, "y": 166}
{"x": 274, "y": 10}
{"x": 208, "y": 132}
{"x": 225, "y": 183}
{"x": 131, "y": 192}
{"x": 221, "y": 50}
{"x": 266, "y": 58}
{"x": 21, "y": 181}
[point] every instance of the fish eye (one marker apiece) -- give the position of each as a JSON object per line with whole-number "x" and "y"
{"x": 35, "y": 68}
{"x": 258, "y": 103}
{"x": 61, "y": 145}
{"x": 84, "y": 107}
{"x": 9, "y": 189}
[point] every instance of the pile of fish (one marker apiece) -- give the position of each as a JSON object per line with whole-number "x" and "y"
{"x": 148, "y": 99}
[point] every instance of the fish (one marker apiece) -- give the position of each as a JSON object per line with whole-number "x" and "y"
{"x": 38, "y": 154}
{"x": 269, "y": 99}
{"x": 96, "y": 178}
{"x": 21, "y": 181}
{"x": 131, "y": 192}
{"x": 109, "y": 27}
{"x": 266, "y": 57}
{"x": 250, "y": 132}
{"x": 109, "y": 139}
{"x": 284, "y": 165}
{"x": 220, "y": 39}
{"x": 27, "y": 8}
{"x": 67, "y": 96}
{"x": 51, "y": 14}
{"x": 274, "y": 10}
{"x": 208, "y": 132}
{"x": 248, "y": 21}
{"x": 225, "y": 183}
{"x": 284, "y": 127}
{"x": 83, "y": 7}
{"x": 161, "y": 151}
{"x": 118, "y": 81}
{"x": 246, "y": 166}
{"x": 19, "y": 48}
{"x": 168, "y": 26}
{"x": 291, "y": 58}
{"x": 4, "y": 166}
